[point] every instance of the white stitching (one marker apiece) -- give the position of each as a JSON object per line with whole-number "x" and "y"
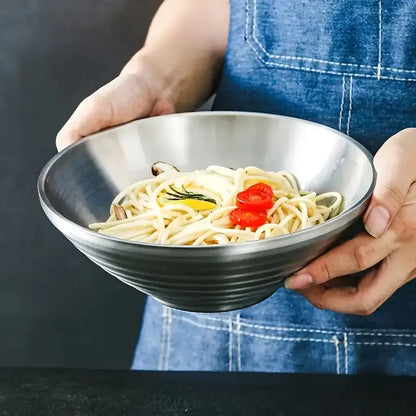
{"x": 238, "y": 342}
{"x": 336, "y": 343}
{"x": 379, "y": 40}
{"x": 213, "y": 318}
{"x": 349, "y": 109}
{"x": 377, "y": 332}
{"x": 281, "y": 328}
{"x": 381, "y": 334}
{"x": 198, "y": 324}
{"x": 400, "y": 344}
{"x": 326, "y": 72}
{"x": 377, "y": 76}
{"x": 362, "y": 332}
{"x": 323, "y": 331}
{"x": 289, "y": 339}
{"x": 247, "y": 20}
{"x": 261, "y": 46}
{"x": 168, "y": 338}
{"x": 341, "y": 110}
{"x": 162, "y": 339}
{"x": 412, "y": 71}
{"x": 346, "y": 370}
{"x": 230, "y": 345}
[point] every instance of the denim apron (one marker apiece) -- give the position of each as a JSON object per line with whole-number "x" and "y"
{"x": 348, "y": 64}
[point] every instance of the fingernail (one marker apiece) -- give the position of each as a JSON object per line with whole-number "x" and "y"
{"x": 298, "y": 281}
{"x": 377, "y": 221}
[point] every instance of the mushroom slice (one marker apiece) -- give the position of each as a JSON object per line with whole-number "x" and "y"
{"x": 119, "y": 212}
{"x": 160, "y": 167}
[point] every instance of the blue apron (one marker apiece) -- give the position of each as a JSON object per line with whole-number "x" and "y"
{"x": 348, "y": 64}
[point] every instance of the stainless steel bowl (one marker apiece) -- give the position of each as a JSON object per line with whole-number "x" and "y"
{"x": 77, "y": 186}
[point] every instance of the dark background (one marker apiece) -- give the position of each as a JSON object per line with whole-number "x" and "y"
{"x": 56, "y": 307}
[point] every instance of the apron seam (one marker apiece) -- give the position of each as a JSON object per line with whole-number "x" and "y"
{"x": 350, "y": 107}
{"x": 202, "y": 325}
{"x": 379, "y": 40}
{"x": 380, "y": 334}
{"x": 238, "y": 342}
{"x": 287, "y": 339}
{"x": 341, "y": 111}
{"x": 282, "y": 328}
{"x": 335, "y": 340}
{"x": 386, "y": 343}
{"x": 163, "y": 338}
{"x": 346, "y": 358}
{"x": 168, "y": 338}
{"x": 320, "y": 71}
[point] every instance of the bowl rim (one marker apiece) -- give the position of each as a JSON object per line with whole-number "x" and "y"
{"x": 271, "y": 242}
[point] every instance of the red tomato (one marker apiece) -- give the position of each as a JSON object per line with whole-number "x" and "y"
{"x": 247, "y": 219}
{"x": 267, "y": 189}
{"x": 258, "y": 197}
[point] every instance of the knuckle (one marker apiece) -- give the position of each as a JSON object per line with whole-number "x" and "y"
{"x": 367, "y": 306}
{"x": 404, "y": 228}
{"x": 318, "y": 303}
{"x": 324, "y": 271}
{"x": 412, "y": 193}
{"x": 360, "y": 255}
{"x": 395, "y": 195}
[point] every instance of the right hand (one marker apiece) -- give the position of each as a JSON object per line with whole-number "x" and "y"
{"x": 127, "y": 97}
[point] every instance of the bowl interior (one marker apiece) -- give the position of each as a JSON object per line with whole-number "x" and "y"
{"x": 81, "y": 182}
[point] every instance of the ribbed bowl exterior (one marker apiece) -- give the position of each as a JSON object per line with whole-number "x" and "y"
{"x": 76, "y": 188}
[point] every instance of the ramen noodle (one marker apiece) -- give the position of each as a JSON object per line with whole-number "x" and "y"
{"x": 205, "y": 207}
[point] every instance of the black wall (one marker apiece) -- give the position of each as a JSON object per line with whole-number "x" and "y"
{"x": 56, "y": 307}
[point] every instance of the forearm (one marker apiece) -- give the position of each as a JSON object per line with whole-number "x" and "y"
{"x": 185, "y": 48}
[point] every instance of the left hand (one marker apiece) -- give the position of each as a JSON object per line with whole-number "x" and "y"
{"x": 387, "y": 252}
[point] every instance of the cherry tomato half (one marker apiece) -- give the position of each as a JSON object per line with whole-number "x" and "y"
{"x": 247, "y": 219}
{"x": 263, "y": 187}
{"x": 256, "y": 198}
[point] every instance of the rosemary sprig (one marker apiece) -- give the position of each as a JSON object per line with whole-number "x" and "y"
{"x": 185, "y": 194}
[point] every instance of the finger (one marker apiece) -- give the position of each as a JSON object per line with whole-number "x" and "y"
{"x": 396, "y": 171}
{"x": 123, "y": 99}
{"x": 355, "y": 255}
{"x": 93, "y": 114}
{"x": 404, "y": 224}
{"x": 372, "y": 290}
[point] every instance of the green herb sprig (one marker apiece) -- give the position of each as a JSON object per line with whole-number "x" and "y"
{"x": 185, "y": 194}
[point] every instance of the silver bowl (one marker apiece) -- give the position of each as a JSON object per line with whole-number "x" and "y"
{"x": 77, "y": 186}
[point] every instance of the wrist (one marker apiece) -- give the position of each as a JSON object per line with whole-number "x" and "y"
{"x": 144, "y": 67}
{"x": 184, "y": 79}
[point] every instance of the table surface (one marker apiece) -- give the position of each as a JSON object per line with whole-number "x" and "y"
{"x": 99, "y": 392}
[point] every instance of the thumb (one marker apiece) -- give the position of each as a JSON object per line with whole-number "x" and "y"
{"x": 92, "y": 114}
{"x": 395, "y": 173}
{"x": 123, "y": 99}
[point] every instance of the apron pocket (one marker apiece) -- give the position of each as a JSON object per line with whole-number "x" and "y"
{"x": 289, "y": 349}
{"x": 339, "y": 37}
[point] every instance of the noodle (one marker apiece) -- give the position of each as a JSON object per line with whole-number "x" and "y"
{"x": 152, "y": 216}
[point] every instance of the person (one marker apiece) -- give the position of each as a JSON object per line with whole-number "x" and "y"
{"x": 348, "y": 65}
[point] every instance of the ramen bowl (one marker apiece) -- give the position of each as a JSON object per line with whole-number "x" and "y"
{"x": 78, "y": 185}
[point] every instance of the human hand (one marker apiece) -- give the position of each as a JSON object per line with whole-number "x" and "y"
{"x": 136, "y": 93}
{"x": 177, "y": 70}
{"x": 387, "y": 252}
